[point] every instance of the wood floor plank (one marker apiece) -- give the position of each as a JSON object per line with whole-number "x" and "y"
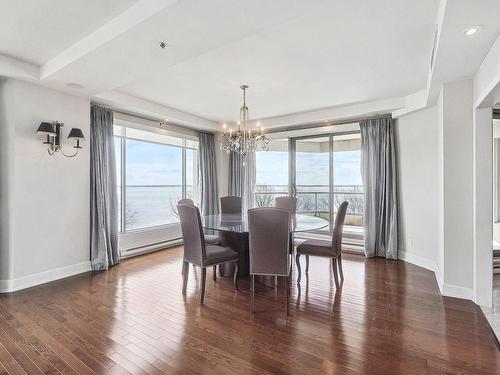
{"x": 388, "y": 318}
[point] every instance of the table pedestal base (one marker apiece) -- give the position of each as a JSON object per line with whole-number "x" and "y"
{"x": 239, "y": 243}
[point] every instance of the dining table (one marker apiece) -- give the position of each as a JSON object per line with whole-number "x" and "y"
{"x": 233, "y": 233}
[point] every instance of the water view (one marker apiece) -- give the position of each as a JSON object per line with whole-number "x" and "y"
{"x": 152, "y": 205}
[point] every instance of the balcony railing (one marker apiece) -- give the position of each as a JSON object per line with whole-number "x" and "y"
{"x": 314, "y": 199}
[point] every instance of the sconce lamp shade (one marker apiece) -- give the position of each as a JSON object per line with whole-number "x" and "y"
{"x": 76, "y": 133}
{"x": 46, "y": 128}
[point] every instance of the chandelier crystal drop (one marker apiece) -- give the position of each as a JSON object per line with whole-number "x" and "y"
{"x": 243, "y": 140}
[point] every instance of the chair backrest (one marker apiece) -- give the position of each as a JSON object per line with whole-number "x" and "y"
{"x": 269, "y": 236}
{"x": 286, "y": 203}
{"x": 192, "y": 234}
{"x": 230, "y": 205}
{"x": 187, "y": 201}
{"x": 339, "y": 228}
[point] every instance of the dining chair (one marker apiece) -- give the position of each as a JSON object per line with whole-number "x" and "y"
{"x": 320, "y": 248}
{"x": 286, "y": 203}
{"x": 212, "y": 239}
{"x": 269, "y": 236}
{"x": 198, "y": 252}
{"x": 186, "y": 201}
{"x": 290, "y": 204}
{"x": 230, "y": 205}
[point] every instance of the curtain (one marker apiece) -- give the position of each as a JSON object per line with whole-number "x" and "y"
{"x": 241, "y": 178}
{"x": 378, "y": 170}
{"x": 208, "y": 175}
{"x": 235, "y": 175}
{"x": 103, "y": 191}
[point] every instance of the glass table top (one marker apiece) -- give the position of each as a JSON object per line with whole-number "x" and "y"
{"x": 239, "y": 223}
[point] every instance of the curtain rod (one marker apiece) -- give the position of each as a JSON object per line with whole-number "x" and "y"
{"x": 315, "y": 125}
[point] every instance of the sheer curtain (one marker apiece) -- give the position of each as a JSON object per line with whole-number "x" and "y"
{"x": 209, "y": 192}
{"x": 103, "y": 192}
{"x": 378, "y": 169}
{"x": 242, "y": 178}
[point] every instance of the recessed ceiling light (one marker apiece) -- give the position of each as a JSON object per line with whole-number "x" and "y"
{"x": 163, "y": 45}
{"x": 74, "y": 85}
{"x": 471, "y": 30}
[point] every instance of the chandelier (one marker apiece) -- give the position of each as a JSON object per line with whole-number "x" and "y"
{"x": 243, "y": 140}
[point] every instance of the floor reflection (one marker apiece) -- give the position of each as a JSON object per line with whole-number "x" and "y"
{"x": 387, "y": 317}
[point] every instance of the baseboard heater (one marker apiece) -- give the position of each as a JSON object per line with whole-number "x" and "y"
{"x": 150, "y": 248}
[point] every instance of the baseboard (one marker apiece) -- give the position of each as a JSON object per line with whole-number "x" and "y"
{"x": 417, "y": 260}
{"x": 448, "y": 290}
{"x": 8, "y": 286}
{"x": 439, "y": 279}
{"x": 456, "y": 291}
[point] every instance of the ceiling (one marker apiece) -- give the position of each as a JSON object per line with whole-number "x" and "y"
{"x": 38, "y": 30}
{"x": 314, "y": 58}
{"x": 297, "y": 56}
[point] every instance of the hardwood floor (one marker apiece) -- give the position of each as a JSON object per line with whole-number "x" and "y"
{"x": 388, "y": 319}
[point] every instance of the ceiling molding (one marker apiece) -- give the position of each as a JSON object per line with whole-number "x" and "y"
{"x": 14, "y": 68}
{"x": 487, "y": 78}
{"x": 133, "y": 105}
{"x": 134, "y": 15}
{"x": 333, "y": 114}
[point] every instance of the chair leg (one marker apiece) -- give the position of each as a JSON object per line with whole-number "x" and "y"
{"x": 307, "y": 264}
{"x": 203, "y": 282}
{"x": 339, "y": 262}
{"x": 252, "y": 287}
{"x": 297, "y": 260}
{"x": 275, "y": 282}
{"x": 235, "y": 276}
{"x": 215, "y": 273}
{"x": 287, "y": 295}
{"x": 185, "y": 274}
{"x": 335, "y": 272}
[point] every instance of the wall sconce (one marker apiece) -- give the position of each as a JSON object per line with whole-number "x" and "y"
{"x": 53, "y": 132}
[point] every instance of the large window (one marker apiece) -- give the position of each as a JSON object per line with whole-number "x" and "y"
{"x": 272, "y": 173}
{"x": 321, "y": 170}
{"x": 154, "y": 172}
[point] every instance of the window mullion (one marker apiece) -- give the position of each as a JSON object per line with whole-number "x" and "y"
{"x": 184, "y": 188}
{"x": 123, "y": 180}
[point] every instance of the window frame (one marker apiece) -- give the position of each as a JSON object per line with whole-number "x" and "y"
{"x": 123, "y": 181}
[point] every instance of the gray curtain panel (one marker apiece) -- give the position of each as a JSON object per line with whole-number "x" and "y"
{"x": 242, "y": 178}
{"x": 208, "y": 175}
{"x": 103, "y": 193}
{"x": 378, "y": 169}
{"x": 235, "y": 175}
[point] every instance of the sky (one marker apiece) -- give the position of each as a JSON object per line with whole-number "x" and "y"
{"x": 154, "y": 164}
{"x": 312, "y": 168}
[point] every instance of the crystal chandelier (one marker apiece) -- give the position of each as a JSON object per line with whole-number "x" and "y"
{"x": 243, "y": 141}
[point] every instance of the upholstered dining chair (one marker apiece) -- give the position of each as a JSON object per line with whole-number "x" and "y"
{"x": 198, "y": 252}
{"x": 290, "y": 204}
{"x": 269, "y": 235}
{"x": 212, "y": 239}
{"x": 230, "y": 205}
{"x": 286, "y": 203}
{"x": 332, "y": 250}
{"x": 186, "y": 201}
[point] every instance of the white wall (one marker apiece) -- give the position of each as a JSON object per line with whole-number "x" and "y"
{"x": 458, "y": 194}
{"x": 436, "y": 181}
{"x": 48, "y": 217}
{"x": 417, "y": 136}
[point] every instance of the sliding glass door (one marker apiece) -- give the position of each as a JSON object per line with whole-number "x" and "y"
{"x": 325, "y": 170}
{"x": 312, "y": 176}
